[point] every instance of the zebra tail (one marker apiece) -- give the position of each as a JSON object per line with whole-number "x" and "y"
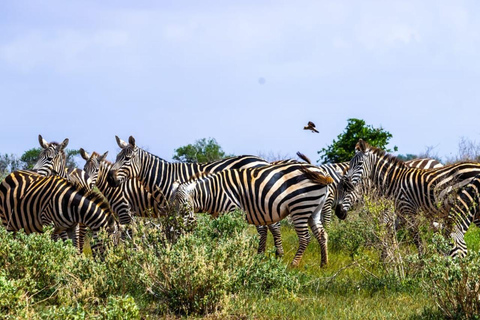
{"x": 316, "y": 177}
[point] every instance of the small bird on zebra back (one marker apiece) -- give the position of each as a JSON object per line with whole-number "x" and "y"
{"x": 310, "y": 126}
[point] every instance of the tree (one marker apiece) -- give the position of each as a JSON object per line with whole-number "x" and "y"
{"x": 30, "y": 157}
{"x": 406, "y": 157}
{"x": 9, "y": 163}
{"x": 201, "y": 151}
{"x": 343, "y": 149}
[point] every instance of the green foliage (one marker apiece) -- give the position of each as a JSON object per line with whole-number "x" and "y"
{"x": 202, "y": 150}
{"x": 8, "y": 163}
{"x": 343, "y": 149}
{"x": 146, "y": 275}
{"x": 454, "y": 284}
{"x": 30, "y": 157}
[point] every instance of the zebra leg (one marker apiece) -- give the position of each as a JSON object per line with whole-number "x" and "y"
{"x": 73, "y": 234}
{"x": 322, "y": 238}
{"x": 326, "y": 215}
{"x": 98, "y": 249}
{"x": 277, "y": 238}
{"x": 81, "y": 233}
{"x": 262, "y": 232}
{"x": 123, "y": 209}
{"x": 62, "y": 235}
{"x": 459, "y": 246}
{"x": 301, "y": 227}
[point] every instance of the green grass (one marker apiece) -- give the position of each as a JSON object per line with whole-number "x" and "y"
{"x": 345, "y": 289}
{"x": 214, "y": 272}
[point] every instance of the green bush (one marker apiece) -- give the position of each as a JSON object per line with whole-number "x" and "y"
{"x": 455, "y": 283}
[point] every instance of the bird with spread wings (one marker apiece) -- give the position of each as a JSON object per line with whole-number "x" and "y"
{"x": 310, "y": 126}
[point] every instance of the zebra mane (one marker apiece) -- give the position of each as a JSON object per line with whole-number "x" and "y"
{"x": 315, "y": 176}
{"x": 383, "y": 154}
{"x": 97, "y": 155}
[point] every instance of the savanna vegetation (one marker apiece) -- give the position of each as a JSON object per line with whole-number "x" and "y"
{"x": 213, "y": 271}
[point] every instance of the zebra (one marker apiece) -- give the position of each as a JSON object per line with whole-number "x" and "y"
{"x": 466, "y": 207}
{"x": 29, "y": 201}
{"x": 158, "y": 176}
{"x": 266, "y": 194}
{"x": 130, "y": 197}
{"x": 336, "y": 172}
{"x": 52, "y": 160}
{"x": 412, "y": 189}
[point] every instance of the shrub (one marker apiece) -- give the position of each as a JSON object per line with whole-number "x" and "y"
{"x": 455, "y": 283}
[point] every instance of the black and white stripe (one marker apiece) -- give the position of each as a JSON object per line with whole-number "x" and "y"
{"x": 127, "y": 199}
{"x": 29, "y": 201}
{"x": 267, "y": 195}
{"x": 431, "y": 191}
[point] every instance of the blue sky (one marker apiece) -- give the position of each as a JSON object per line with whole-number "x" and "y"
{"x": 250, "y": 74}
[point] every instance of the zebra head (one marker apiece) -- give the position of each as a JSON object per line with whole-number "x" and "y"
{"x": 52, "y": 159}
{"x": 349, "y": 187}
{"x": 127, "y": 164}
{"x": 92, "y": 164}
{"x": 182, "y": 201}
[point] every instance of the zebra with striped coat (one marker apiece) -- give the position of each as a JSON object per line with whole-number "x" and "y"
{"x": 158, "y": 176}
{"x": 129, "y": 198}
{"x": 29, "y": 201}
{"x": 432, "y": 191}
{"x": 266, "y": 194}
{"x": 52, "y": 160}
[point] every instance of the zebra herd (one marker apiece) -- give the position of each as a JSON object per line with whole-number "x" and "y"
{"x": 142, "y": 184}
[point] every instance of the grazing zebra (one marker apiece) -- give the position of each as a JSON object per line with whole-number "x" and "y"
{"x": 158, "y": 176}
{"x": 130, "y": 197}
{"x": 29, "y": 201}
{"x": 266, "y": 194}
{"x": 412, "y": 189}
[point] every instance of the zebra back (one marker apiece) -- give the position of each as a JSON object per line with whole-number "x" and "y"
{"x": 158, "y": 175}
{"x": 28, "y": 201}
{"x": 266, "y": 194}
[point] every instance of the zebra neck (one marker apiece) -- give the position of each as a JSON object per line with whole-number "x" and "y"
{"x": 101, "y": 181}
{"x": 385, "y": 172}
{"x": 158, "y": 175}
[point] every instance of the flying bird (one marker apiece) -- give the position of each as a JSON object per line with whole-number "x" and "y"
{"x": 310, "y": 126}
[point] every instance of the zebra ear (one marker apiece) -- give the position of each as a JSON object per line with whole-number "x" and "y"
{"x": 64, "y": 144}
{"x": 103, "y": 157}
{"x": 43, "y": 143}
{"x": 84, "y": 154}
{"x": 122, "y": 144}
{"x": 361, "y": 145}
{"x": 131, "y": 140}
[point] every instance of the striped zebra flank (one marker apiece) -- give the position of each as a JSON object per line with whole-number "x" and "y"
{"x": 434, "y": 192}
{"x": 29, "y": 201}
{"x": 158, "y": 176}
{"x": 52, "y": 160}
{"x": 266, "y": 194}
{"x": 336, "y": 172}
